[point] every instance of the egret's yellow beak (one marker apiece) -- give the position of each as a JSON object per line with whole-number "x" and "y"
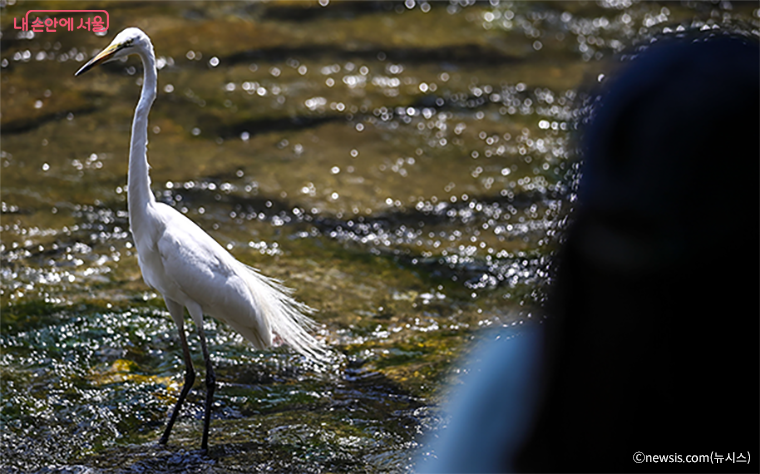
{"x": 102, "y": 56}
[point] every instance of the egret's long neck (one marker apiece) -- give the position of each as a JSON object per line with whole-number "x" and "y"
{"x": 139, "y": 194}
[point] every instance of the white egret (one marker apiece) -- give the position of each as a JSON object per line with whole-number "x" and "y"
{"x": 189, "y": 268}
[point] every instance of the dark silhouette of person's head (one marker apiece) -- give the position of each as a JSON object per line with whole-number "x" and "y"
{"x": 654, "y": 318}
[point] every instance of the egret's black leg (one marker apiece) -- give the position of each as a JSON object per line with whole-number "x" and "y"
{"x": 178, "y": 313}
{"x": 189, "y": 380}
{"x": 210, "y": 387}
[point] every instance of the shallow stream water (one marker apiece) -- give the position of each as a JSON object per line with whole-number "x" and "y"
{"x": 406, "y": 167}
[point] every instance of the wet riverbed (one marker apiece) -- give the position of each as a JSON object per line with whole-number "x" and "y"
{"x": 405, "y": 166}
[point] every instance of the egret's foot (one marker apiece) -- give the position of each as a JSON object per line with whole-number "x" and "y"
{"x": 204, "y": 443}
{"x": 203, "y": 452}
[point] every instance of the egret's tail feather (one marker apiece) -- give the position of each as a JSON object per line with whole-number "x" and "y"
{"x": 286, "y": 317}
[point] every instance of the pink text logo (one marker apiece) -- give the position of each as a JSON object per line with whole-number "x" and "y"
{"x": 42, "y": 20}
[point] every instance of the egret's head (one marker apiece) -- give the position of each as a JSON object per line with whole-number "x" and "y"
{"x": 129, "y": 41}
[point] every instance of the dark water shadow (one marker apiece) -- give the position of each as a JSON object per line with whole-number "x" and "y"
{"x": 463, "y": 53}
{"x": 308, "y": 11}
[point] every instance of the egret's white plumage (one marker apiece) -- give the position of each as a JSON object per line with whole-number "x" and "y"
{"x": 189, "y": 268}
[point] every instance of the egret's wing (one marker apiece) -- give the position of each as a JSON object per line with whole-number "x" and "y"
{"x": 229, "y": 290}
{"x": 203, "y": 272}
